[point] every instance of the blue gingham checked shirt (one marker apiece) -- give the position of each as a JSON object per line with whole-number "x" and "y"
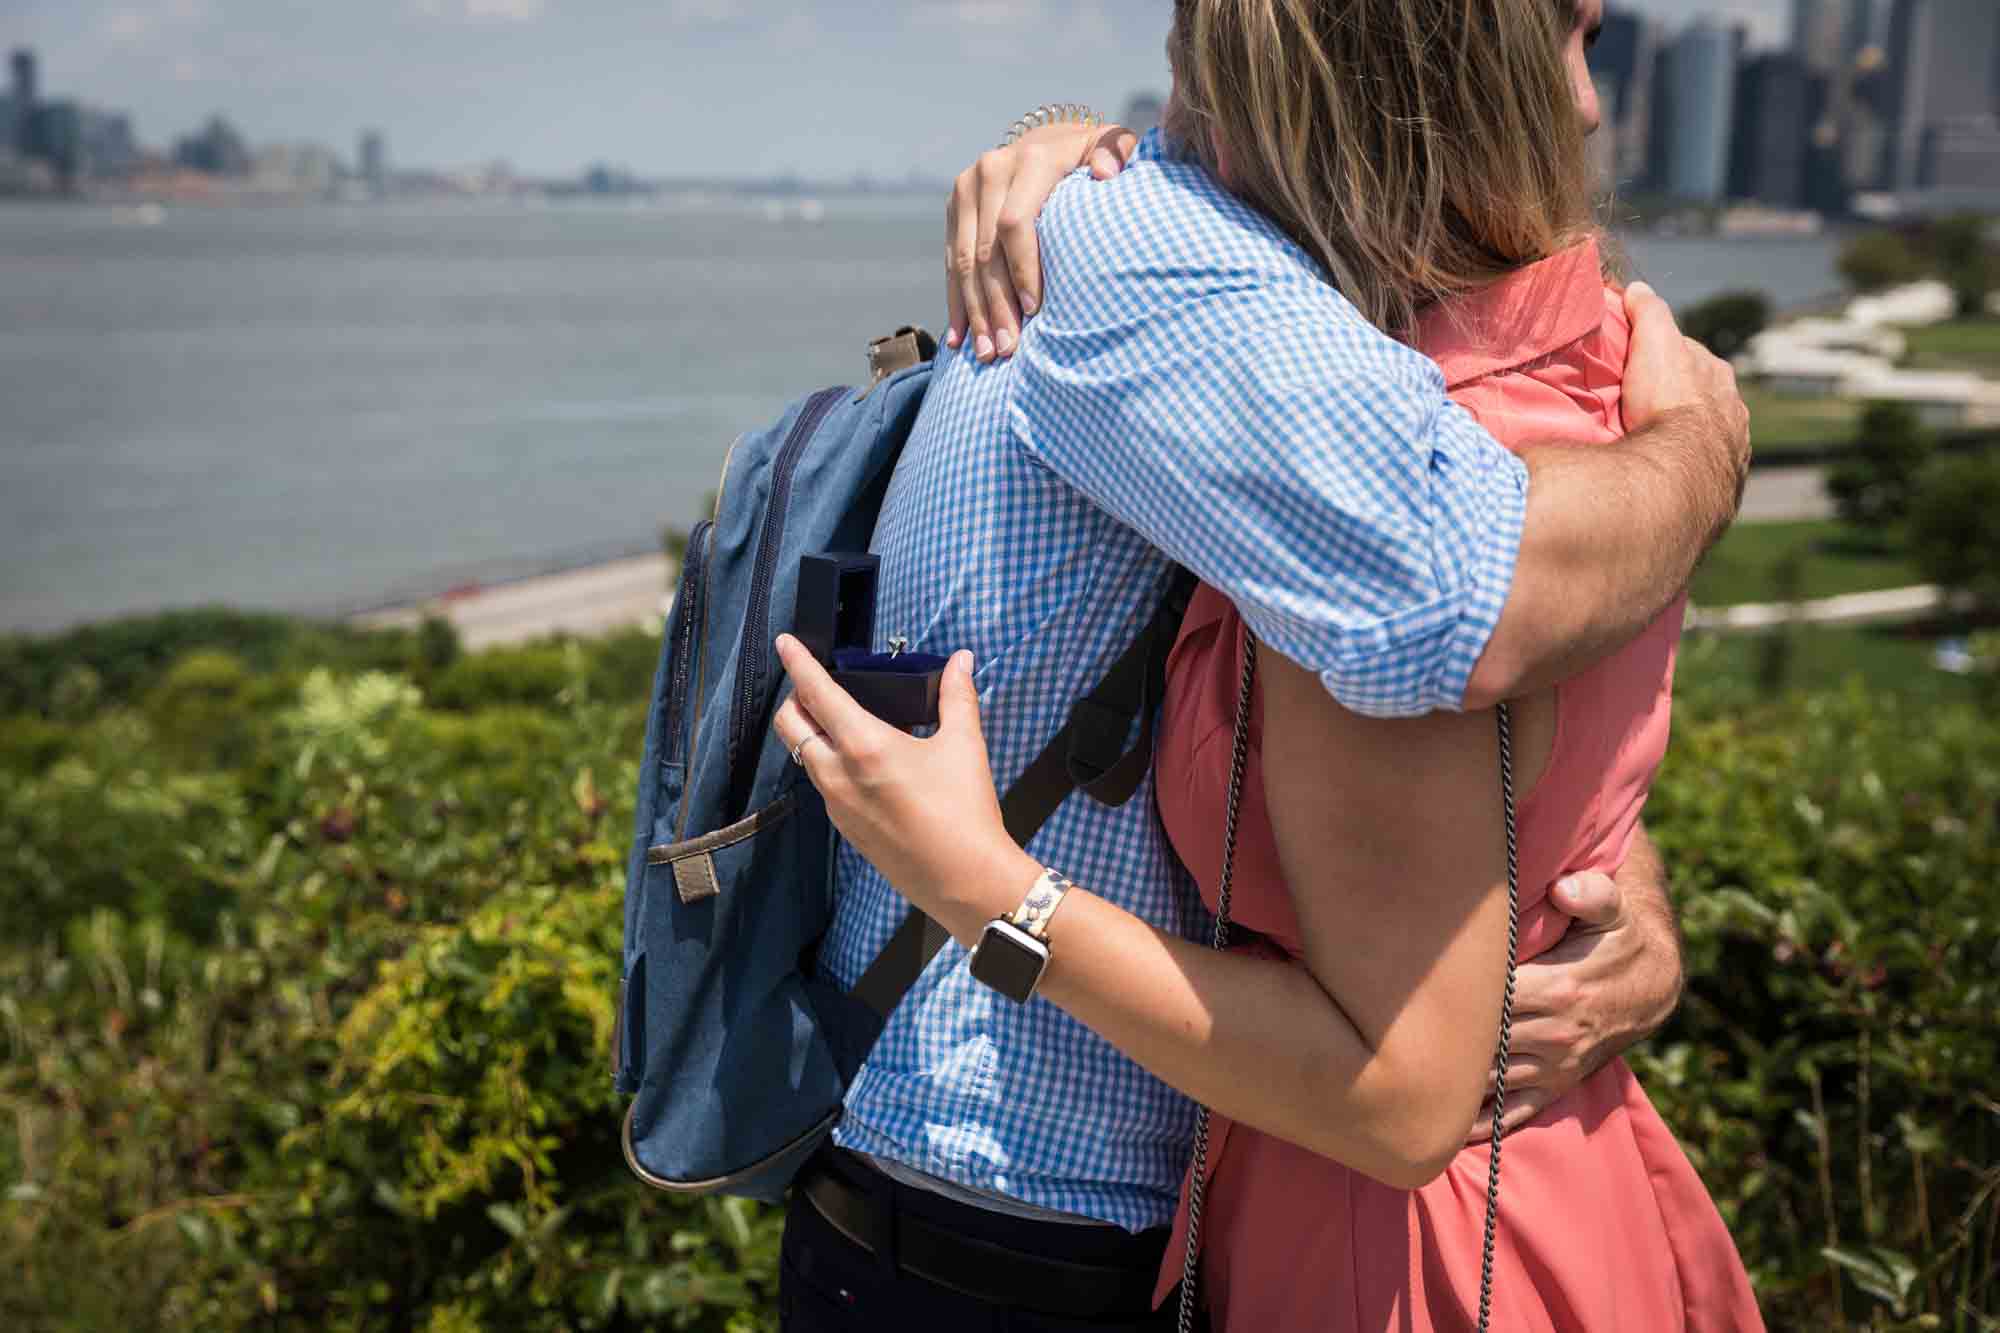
{"x": 1192, "y": 390}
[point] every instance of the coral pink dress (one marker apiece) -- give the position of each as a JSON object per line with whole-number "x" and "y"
{"x": 1604, "y": 1225}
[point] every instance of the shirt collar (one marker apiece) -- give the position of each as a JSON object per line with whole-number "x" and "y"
{"x": 1521, "y": 318}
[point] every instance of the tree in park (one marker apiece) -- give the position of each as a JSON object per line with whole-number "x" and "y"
{"x": 1725, "y": 324}
{"x": 1878, "y": 259}
{"x": 1965, "y": 259}
{"x": 1871, "y": 488}
{"x": 1955, "y": 528}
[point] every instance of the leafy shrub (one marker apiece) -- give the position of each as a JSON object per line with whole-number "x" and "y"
{"x": 1878, "y": 259}
{"x": 1872, "y": 486}
{"x": 1725, "y": 324}
{"x": 1960, "y": 253}
{"x": 1972, "y": 282}
{"x": 315, "y": 1036}
{"x": 1955, "y": 527}
{"x": 1830, "y": 1074}
{"x": 321, "y": 1042}
{"x": 537, "y": 676}
{"x": 123, "y": 659}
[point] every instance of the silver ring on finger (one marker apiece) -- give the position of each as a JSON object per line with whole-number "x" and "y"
{"x": 800, "y": 748}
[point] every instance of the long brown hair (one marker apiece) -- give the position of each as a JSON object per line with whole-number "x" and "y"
{"x": 1416, "y": 148}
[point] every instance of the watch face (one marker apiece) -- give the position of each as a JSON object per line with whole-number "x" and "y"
{"x": 1009, "y": 961}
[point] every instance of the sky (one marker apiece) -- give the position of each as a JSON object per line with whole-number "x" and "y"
{"x": 825, "y": 90}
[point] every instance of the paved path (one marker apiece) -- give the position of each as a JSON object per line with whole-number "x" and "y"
{"x": 1777, "y": 494}
{"x": 1852, "y": 608}
{"x": 593, "y": 600}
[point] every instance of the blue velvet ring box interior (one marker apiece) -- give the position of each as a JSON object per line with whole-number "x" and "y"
{"x": 835, "y": 620}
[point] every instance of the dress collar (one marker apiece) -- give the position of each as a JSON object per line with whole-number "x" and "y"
{"x": 1521, "y": 318}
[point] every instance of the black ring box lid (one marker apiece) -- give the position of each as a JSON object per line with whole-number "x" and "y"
{"x": 835, "y": 620}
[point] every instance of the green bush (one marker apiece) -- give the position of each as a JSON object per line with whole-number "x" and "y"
{"x": 119, "y": 660}
{"x": 1955, "y": 527}
{"x": 314, "y": 1035}
{"x": 1873, "y": 484}
{"x": 321, "y": 1041}
{"x": 1835, "y": 859}
{"x": 1725, "y": 324}
{"x": 1961, "y": 254}
{"x": 1878, "y": 259}
{"x": 540, "y": 676}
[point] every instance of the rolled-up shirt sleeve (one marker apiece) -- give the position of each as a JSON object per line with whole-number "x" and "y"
{"x": 1303, "y": 463}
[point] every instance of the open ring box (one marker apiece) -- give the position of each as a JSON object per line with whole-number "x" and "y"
{"x": 835, "y": 620}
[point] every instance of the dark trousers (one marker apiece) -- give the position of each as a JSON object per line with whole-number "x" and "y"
{"x": 829, "y": 1283}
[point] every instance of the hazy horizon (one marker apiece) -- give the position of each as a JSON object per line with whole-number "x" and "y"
{"x": 712, "y": 88}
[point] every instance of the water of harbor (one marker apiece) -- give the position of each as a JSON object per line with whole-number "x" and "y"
{"x": 324, "y": 408}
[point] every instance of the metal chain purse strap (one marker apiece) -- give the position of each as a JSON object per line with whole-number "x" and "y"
{"x": 1197, "y": 1180}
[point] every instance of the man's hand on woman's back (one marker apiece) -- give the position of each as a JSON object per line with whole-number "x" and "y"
{"x": 1667, "y": 373}
{"x": 993, "y": 262}
{"x": 1612, "y": 533}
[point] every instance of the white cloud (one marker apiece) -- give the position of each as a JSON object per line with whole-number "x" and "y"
{"x": 125, "y": 25}
{"x": 798, "y": 32}
{"x": 482, "y": 11}
{"x": 704, "y": 11}
{"x": 505, "y": 11}
{"x": 975, "y": 13}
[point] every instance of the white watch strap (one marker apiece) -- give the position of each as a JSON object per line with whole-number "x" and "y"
{"x": 1043, "y": 898}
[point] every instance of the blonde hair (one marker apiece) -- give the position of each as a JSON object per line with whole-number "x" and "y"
{"x": 1417, "y": 149}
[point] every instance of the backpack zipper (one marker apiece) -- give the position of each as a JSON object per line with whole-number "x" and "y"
{"x": 756, "y": 650}
{"x": 689, "y": 606}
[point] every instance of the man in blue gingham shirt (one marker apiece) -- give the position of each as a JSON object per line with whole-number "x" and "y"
{"x": 1194, "y": 391}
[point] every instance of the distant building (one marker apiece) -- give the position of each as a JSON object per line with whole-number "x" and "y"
{"x": 1961, "y": 155}
{"x": 218, "y": 150}
{"x": 1827, "y": 184}
{"x": 106, "y": 146}
{"x": 1940, "y": 62}
{"x": 1821, "y": 32}
{"x": 1964, "y": 35}
{"x": 306, "y": 169}
{"x": 1143, "y": 112}
{"x": 1694, "y": 111}
{"x": 1901, "y": 92}
{"x": 10, "y": 130}
{"x": 374, "y": 163}
{"x": 1843, "y": 56}
{"x": 25, "y": 96}
{"x": 56, "y": 136}
{"x": 1772, "y": 130}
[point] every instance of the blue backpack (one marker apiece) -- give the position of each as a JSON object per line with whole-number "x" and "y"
{"x": 736, "y": 1054}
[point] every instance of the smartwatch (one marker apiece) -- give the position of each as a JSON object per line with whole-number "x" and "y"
{"x": 1014, "y": 952}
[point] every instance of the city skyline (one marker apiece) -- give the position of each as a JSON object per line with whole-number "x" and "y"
{"x": 1865, "y": 99}
{"x": 705, "y": 88}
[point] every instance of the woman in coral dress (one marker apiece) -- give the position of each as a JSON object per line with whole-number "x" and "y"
{"x": 1352, "y": 1049}
{"x": 1604, "y": 1224}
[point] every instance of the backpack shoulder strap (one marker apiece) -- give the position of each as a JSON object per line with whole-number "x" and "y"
{"x": 1083, "y": 756}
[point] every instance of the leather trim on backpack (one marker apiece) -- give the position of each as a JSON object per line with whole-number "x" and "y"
{"x": 693, "y": 861}
{"x": 721, "y": 1182}
{"x": 908, "y": 346}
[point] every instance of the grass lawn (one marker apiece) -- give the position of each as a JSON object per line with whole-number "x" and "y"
{"x": 1742, "y": 567}
{"x": 1888, "y": 657}
{"x": 1779, "y": 424}
{"x": 1961, "y": 344}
